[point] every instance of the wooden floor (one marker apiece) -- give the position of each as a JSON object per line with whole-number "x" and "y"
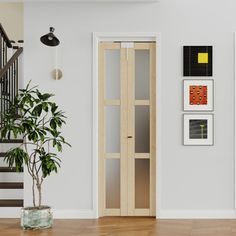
{"x": 121, "y": 226}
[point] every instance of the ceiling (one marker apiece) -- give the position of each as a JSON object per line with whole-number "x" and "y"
{"x": 107, "y": 1}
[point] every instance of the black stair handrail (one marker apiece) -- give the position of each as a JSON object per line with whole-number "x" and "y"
{"x": 5, "y": 37}
{"x": 5, "y": 43}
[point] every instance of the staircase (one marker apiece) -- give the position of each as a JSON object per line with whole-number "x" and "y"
{"x": 11, "y": 183}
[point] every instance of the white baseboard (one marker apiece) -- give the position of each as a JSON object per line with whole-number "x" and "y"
{"x": 14, "y": 212}
{"x": 196, "y": 214}
{"x": 73, "y": 214}
{"x": 10, "y": 212}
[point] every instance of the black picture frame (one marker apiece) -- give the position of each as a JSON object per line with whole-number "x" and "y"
{"x": 197, "y": 60}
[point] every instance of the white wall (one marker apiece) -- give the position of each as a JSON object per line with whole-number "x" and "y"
{"x": 11, "y": 18}
{"x": 195, "y": 181}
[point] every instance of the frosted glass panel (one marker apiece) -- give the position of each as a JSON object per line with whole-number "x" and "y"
{"x": 113, "y": 183}
{"x": 142, "y": 67}
{"x": 112, "y": 124}
{"x": 142, "y": 130}
{"x": 112, "y": 74}
{"x": 142, "y": 183}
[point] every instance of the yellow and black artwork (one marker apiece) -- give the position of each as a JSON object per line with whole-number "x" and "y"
{"x": 197, "y": 61}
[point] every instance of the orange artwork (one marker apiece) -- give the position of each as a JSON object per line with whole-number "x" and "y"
{"x": 197, "y": 95}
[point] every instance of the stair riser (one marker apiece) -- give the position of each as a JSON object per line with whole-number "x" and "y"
{"x": 11, "y": 194}
{"x": 4, "y": 147}
{"x": 11, "y": 177}
{"x": 3, "y": 163}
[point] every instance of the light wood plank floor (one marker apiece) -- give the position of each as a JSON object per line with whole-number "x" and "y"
{"x": 121, "y": 226}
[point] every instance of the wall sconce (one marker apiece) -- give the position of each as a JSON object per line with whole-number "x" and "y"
{"x": 52, "y": 41}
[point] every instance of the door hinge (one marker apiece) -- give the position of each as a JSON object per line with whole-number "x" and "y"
{"x": 127, "y": 45}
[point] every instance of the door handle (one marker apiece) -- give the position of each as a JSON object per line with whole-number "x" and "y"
{"x": 130, "y": 137}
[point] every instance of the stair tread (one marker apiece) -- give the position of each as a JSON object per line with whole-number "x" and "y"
{"x": 11, "y": 140}
{"x": 11, "y": 185}
{"x": 5, "y": 94}
{"x": 12, "y": 203}
{"x": 8, "y": 169}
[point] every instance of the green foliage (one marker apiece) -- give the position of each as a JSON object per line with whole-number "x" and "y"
{"x": 34, "y": 116}
{"x": 16, "y": 157}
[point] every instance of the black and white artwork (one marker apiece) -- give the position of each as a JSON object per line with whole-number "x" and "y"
{"x": 198, "y": 129}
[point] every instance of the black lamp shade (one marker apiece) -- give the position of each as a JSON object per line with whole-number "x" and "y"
{"x": 50, "y": 39}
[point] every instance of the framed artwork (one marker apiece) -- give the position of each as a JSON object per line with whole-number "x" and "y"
{"x": 197, "y": 61}
{"x": 198, "y": 129}
{"x": 198, "y": 95}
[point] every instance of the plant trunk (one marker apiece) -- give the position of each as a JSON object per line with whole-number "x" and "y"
{"x": 37, "y": 186}
{"x": 33, "y": 191}
{"x": 39, "y": 194}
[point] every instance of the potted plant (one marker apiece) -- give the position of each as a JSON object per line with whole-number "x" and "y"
{"x": 37, "y": 119}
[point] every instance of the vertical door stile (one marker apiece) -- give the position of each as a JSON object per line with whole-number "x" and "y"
{"x": 101, "y": 131}
{"x": 131, "y": 131}
{"x": 124, "y": 146}
{"x": 152, "y": 129}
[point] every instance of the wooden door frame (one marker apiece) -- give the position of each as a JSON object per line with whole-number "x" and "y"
{"x": 137, "y": 37}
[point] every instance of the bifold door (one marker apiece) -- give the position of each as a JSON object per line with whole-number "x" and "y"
{"x": 127, "y": 129}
